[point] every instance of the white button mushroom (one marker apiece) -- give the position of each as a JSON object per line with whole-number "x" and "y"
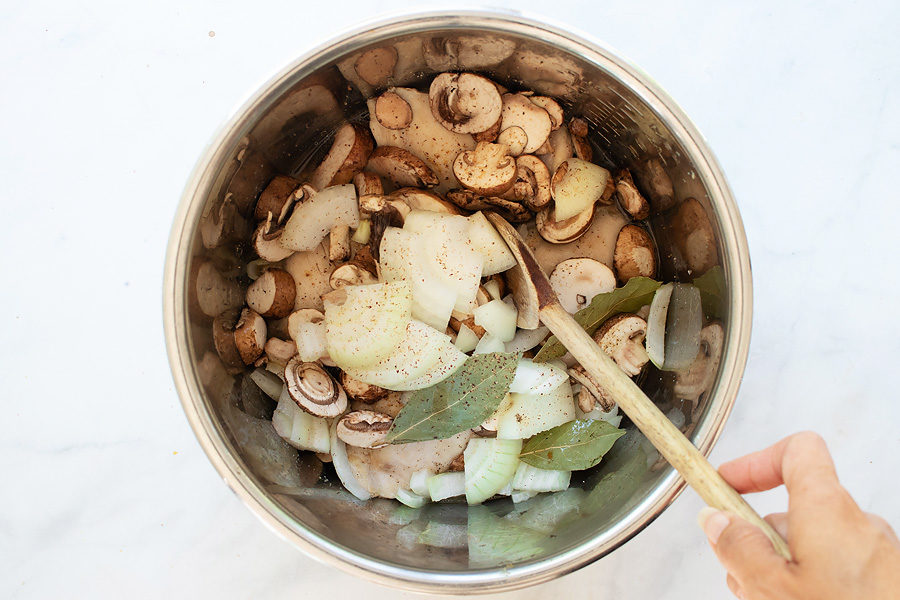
{"x": 313, "y": 389}
{"x": 272, "y": 294}
{"x": 576, "y": 281}
{"x": 464, "y": 102}
{"x": 635, "y": 254}
{"x": 364, "y": 429}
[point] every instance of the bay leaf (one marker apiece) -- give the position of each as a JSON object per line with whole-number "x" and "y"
{"x": 619, "y": 479}
{"x": 712, "y": 292}
{"x": 628, "y": 298}
{"x": 572, "y": 446}
{"x": 462, "y": 401}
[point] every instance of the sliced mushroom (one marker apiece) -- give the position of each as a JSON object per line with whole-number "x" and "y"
{"x": 351, "y": 274}
{"x": 223, "y": 339}
{"x": 221, "y": 222}
{"x": 376, "y": 65}
{"x": 313, "y": 389}
{"x": 607, "y": 196}
{"x": 510, "y": 210}
{"x": 532, "y": 185}
{"x": 367, "y": 183}
{"x": 488, "y": 135}
{"x": 560, "y": 149}
{"x": 697, "y": 380}
{"x": 458, "y": 464}
{"x": 265, "y": 241}
{"x": 565, "y": 231}
{"x": 578, "y": 127}
{"x": 275, "y": 196}
{"x": 339, "y": 243}
{"x": 520, "y": 111}
{"x": 211, "y": 293}
{"x": 635, "y": 254}
{"x": 554, "y": 110}
{"x": 311, "y": 271}
{"x": 417, "y": 199}
{"x": 657, "y": 185}
{"x": 622, "y": 339}
{"x": 629, "y": 196}
{"x": 576, "y": 281}
{"x": 464, "y": 102}
{"x": 456, "y": 322}
{"x": 392, "y": 111}
{"x": 364, "y": 429}
{"x": 279, "y": 351}
{"x": 272, "y": 294}
{"x": 694, "y": 237}
{"x": 250, "y": 335}
{"x": 362, "y": 392}
{"x": 488, "y": 169}
{"x": 515, "y": 140}
{"x": 401, "y": 167}
{"x": 349, "y": 152}
{"x": 595, "y": 391}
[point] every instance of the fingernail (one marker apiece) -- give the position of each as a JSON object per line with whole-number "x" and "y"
{"x": 713, "y": 523}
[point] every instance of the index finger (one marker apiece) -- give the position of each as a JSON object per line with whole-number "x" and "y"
{"x": 797, "y": 461}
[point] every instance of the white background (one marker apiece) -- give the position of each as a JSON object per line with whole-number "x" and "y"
{"x": 104, "y": 108}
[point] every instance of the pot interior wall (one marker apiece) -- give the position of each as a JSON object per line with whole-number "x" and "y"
{"x": 292, "y": 133}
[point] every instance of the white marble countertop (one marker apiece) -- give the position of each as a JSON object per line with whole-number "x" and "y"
{"x": 105, "y": 107}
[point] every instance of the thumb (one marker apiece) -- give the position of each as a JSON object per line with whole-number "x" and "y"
{"x": 742, "y": 548}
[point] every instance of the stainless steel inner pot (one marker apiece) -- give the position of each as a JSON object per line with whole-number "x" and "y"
{"x": 285, "y": 126}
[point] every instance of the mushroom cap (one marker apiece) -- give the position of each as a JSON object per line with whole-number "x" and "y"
{"x": 622, "y": 338}
{"x": 273, "y": 198}
{"x": 694, "y": 237}
{"x": 554, "y": 110}
{"x": 577, "y": 280}
{"x": 401, "y": 167}
{"x": 594, "y": 389}
{"x": 265, "y": 241}
{"x": 364, "y": 428}
{"x": 223, "y": 339}
{"x": 657, "y": 185}
{"x": 520, "y": 111}
{"x": 635, "y": 254}
{"x": 392, "y": 111}
{"x": 250, "y": 335}
{"x": 565, "y": 231}
{"x": 629, "y": 196}
{"x": 465, "y": 102}
{"x": 211, "y": 293}
{"x": 272, "y": 294}
{"x": 578, "y": 127}
{"x": 532, "y": 185}
{"x": 692, "y": 383}
{"x": 311, "y": 271}
{"x": 313, "y": 389}
{"x": 279, "y": 350}
{"x": 510, "y": 210}
{"x": 347, "y": 156}
{"x": 376, "y": 65}
{"x": 417, "y": 199}
{"x": 360, "y": 391}
{"x": 351, "y": 274}
{"x": 488, "y": 169}
{"x": 514, "y": 138}
{"x": 367, "y": 183}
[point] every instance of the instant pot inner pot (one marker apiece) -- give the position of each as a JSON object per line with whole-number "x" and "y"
{"x": 288, "y": 135}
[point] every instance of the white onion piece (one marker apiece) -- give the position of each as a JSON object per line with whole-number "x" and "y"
{"x": 495, "y": 254}
{"x": 526, "y": 339}
{"x": 418, "y": 483}
{"x": 683, "y": 324}
{"x": 537, "y": 378}
{"x": 342, "y": 466}
{"x": 498, "y": 318}
{"x": 267, "y": 382}
{"x": 310, "y": 340}
{"x": 466, "y": 339}
{"x": 488, "y": 344}
{"x": 656, "y": 324}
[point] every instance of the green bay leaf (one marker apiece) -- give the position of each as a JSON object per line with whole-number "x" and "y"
{"x": 572, "y": 446}
{"x": 712, "y": 291}
{"x": 462, "y": 401}
{"x": 628, "y": 298}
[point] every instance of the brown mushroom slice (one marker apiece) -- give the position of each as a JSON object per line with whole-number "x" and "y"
{"x": 401, "y": 167}
{"x": 487, "y": 169}
{"x": 697, "y": 380}
{"x": 360, "y": 391}
{"x": 515, "y": 139}
{"x": 221, "y": 222}
{"x": 598, "y": 242}
{"x": 367, "y": 183}
{"x": 561, "y": 149}
{"x": 520, "y": 111}
{"x": 279, "y": 351}
{"x": 629, "y": 196}
{"x": 622, "y": 339}
{"x": 223, "y": 340}
{"x": 349, "y": 152}
{"x": 488, "y": 135}
{"x": 250, "y": 335}
{"x": 635, "y": 254}
{"x": 376, "y": 65}
{"x": 566, "y": 230}
{"x": 265, "y": 241}
{"x": 211, "y": 293}
{"x": 392, "y": 111}
{"x": 595, "y": 391}
{"x": 339, "y": 242}
{"x": 554, "y": 110}
{"x": 275, "y": 195}
{"x": 510, "y": 210}
{"x": 577, "y": 280}
{"x": 464, "y": 102}
{"x": 657, "y": 184}
{"x": 272, "y": 294}
{"x": 351, "y": 274}
{"x": 313, "y": 389}
{"x": 532, "y": 185}
{"x": 417, "y": 199}
{"x": 364, "y": 429}
{"x": 311, "y": 272}
{"x": 694, "y": 237}
{"x": 578, "y": 127}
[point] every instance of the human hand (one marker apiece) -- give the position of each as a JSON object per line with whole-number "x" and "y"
{"x": 839, "y": 551}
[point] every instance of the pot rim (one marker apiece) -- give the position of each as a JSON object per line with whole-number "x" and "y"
{"x": 735, "y": 260}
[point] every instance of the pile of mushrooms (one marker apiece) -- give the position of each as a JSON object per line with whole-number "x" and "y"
{"x": 467, "y": 144}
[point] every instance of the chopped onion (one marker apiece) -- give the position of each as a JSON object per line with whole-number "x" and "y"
{"x": 418, "y": 483}
{"x": 466, "y": 339}
{"x": 342, "y": 466}
{"x": 446, "y": 485}
{"x": 488, "y": 344}
{"x": 533, "y": 479}
{"x": 410, "y": 499}
{"x": 267, "y": 382}
{"x": 526, "y": 339}
{"x": 498, "y": 318}
{"x": 490, "y": 465}
{"x": 519, "y": 496}
{"x": 537, "y": 378}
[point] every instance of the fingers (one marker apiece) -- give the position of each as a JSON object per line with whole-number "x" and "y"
{"x": 884, "y": 527}
{"x": 797, "y": 461}
{"x": 734, "y": 586}
{"x": 779, "y": 522}
{"x": 742, "y": 548}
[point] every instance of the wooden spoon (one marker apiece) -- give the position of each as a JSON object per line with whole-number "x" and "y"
{"x": 533, "y": 295}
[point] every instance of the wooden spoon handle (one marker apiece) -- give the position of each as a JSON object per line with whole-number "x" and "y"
{"x": 667, "y": 438}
